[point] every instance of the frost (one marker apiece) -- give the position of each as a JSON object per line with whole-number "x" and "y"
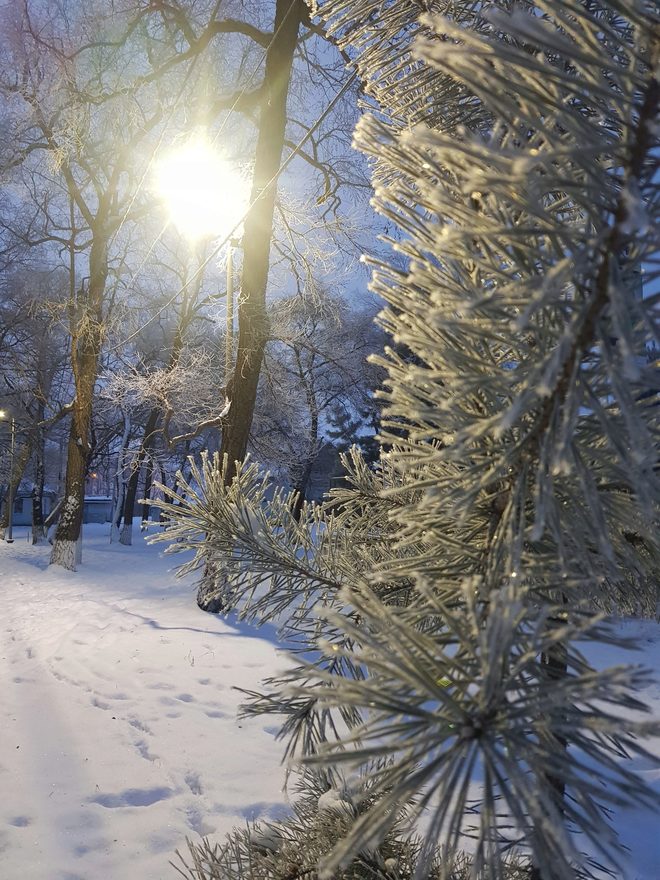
{"x": 522, "y": 166}
{"x": 266, "y": 838}
{"x": 636, "y": 218}
{"x": 531, "y": 27}
{"x": 335, "y": 801}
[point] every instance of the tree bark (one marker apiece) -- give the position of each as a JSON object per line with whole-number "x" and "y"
{"x": 148, "y": 480}
{"x": 306, "y": 470}
{"x": 252, "y": 319}
{"x": 38, "y": 529}
{"x": 86, "y": 349}
{"x": 20, "y": 461}
{"x": 132, "y": 488}
{"x": 119, "y": 494}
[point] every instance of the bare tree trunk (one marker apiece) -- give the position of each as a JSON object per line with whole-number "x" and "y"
{"x": 38, "y": 529}
{"x": 163, "y": 479}
{"x": 252, "y": 320}
{"x": 86, "y": 349}
{"x": 19, "y": 463}
{"x": 126, "y": 536}
{"x": 119, "y": 493}
{"x": 65, "y": 548}
{"x": 132, "y": 488}
{"x": 182, "y": 471}
{"x": 148, "y": 480}
{"x": 306, "y": 470}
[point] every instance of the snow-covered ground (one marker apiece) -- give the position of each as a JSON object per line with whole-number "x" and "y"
{"x": 118, "y": 729}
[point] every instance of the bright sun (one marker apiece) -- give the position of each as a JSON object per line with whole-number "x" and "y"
{"x": 204, "y": 194}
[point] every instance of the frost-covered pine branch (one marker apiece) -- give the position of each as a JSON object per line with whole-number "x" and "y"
{"x": 441, "y": 606}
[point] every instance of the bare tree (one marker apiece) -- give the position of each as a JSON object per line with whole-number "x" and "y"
{"x": 34, "y": 375}
{"x": 315, "y": 362}
{"x": 253, "y": 325}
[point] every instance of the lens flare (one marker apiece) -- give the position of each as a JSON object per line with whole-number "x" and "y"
{"x": 205, "y": 195}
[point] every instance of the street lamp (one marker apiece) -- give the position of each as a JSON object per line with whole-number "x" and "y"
{"x": 206, "y": 197}
{"x": 10, "y": 490}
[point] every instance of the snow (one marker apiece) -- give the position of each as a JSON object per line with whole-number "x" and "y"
{"x": 118, "y": 728}
{"x": 335, "y": 801}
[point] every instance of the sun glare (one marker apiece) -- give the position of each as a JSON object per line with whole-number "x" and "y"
{"x": 205, "y": 195}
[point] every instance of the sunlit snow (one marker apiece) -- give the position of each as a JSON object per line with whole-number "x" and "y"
{"x": 118, "y": 728}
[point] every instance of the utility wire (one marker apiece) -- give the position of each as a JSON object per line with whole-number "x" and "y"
{"x": 223, "y": 124}
{"x": 301, "y": 143}
{"x": 162, "y": 135}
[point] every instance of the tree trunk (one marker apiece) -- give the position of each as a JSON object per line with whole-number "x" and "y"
{"x": 252, "y": 320}
{"x": 65, "y": 551}
{"x": 252, "y": 317}
{"x": 148, "y": 480}
{"x": 306, "y": 470}
{"x": 86, "y": 349}
{"x": 20, "y": 461}
{"x": 162, "y": 519}
{"x": 38, "y": 529}
{"x": 126, "y": 537}
{"x": 119, "y": 493}
{"x": 117, "y": 508}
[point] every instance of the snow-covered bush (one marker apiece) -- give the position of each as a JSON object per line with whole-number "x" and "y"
{"x": 292, "y": 847}
{"x": 436, "y": 608}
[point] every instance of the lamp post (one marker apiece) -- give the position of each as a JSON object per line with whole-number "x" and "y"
{"x": 10, "y": 491}
{"x": 207, "y": 197}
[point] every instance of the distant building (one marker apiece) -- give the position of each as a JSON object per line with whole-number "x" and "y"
{"x": 97, "y": 509}
{"x": 22, "y": 506}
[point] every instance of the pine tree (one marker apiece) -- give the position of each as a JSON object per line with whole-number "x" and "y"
{"x": 437, "y": 607}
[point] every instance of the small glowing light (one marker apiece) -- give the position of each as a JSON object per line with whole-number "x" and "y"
{"x": 205, "y": 195}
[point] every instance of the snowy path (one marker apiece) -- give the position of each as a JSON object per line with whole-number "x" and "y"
{"x": 118, "y": 730}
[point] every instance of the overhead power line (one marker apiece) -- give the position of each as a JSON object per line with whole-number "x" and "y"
{"x": 168, "y": 122}
{"x": 294, "y": 152}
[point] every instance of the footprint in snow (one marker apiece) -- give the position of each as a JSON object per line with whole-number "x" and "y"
{"x": 143, "y": 750}
{"x": 196, "y": 823}
{"x": 133, "y": 797}
{"x": 193, "y": 782}
{"x": 99, "y": 703}
{"x": 216, "y": 713}
{"x": 138, "y": 725}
